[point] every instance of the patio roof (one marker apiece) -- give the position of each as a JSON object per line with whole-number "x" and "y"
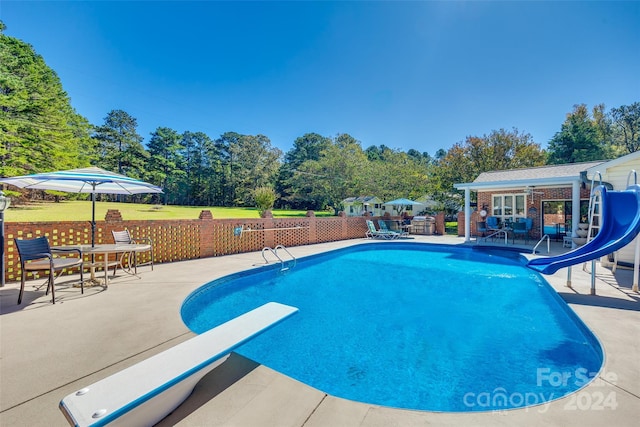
{"x": 362, "y": 199}
{"x": 553, "y": 175}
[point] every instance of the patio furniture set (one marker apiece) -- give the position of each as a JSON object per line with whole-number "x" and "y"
{"x": 36, "y": 255}
{"x": 492, "y": 228}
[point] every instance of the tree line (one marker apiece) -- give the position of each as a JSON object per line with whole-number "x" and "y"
{"x": 40, "y": 131}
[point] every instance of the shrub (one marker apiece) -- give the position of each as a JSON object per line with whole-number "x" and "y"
{"x": 265, "y": 197}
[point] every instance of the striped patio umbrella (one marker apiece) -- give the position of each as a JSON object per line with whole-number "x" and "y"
{"x": 86, "y": 180}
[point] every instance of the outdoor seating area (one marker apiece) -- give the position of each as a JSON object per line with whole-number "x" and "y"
{"x": 494, "y": 229}
{"x": 36, "y": 256}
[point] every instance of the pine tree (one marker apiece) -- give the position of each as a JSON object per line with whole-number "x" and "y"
{"x": 39, "y": 130}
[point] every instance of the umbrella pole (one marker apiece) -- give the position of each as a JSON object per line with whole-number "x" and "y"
{"x": 93, "y": 239}
{"x": 93, "y": 235}
{"x": 93, "y": 218}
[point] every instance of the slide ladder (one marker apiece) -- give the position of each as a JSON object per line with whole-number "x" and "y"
{"x": 595, "y": 208}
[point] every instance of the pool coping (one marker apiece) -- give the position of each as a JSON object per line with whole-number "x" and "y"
{"x": 50, "y": 350}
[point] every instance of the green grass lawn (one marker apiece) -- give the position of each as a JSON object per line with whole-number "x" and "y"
{"x": 81, "y": 211}
{"x": 451, "y": 228}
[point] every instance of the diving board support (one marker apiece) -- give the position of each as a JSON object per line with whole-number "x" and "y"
{"x": 145, "y": 393}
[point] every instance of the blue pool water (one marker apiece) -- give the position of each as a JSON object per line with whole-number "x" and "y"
{"x": 415, "y": 326}
{"x": 553, "y": 230}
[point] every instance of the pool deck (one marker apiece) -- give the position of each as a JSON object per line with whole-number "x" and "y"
{"x": 48, "y": 351}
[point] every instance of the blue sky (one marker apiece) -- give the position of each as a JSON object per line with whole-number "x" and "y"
{"x": 420, "y": 75}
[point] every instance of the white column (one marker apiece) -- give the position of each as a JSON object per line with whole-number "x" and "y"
{"x": 467, "y": 215}
{"x": 575, "y": 209}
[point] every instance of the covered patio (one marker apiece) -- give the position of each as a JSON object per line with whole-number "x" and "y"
{"x": 518, "y": 194}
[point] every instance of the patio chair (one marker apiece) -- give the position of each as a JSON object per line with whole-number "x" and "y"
{"x": 37, "y": 255}
{"x": 481, "y": 228}
{"x": 522, "y": 228}
{"x": 492, "y": 224}
{"x": 385, "y": 229}
{"x": 125, "y": 238}
{"x": 373, "y": 233}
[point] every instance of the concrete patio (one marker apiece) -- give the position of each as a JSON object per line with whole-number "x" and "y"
{"x": 48, "y": 351}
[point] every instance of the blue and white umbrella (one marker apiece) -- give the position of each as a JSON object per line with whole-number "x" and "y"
{"x": 86, "y": 180}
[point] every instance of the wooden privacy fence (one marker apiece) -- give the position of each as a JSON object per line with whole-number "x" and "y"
{"x": 184, "y": 239}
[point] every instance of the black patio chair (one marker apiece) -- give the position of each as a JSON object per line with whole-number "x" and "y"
{"x": 481, "y": 229}
{"x": 37, "y": 255}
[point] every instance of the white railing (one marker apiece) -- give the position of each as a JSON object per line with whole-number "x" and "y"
{"x": 546, "y": 236}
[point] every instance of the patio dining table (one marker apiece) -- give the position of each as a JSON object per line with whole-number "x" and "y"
{"x": 106, "y": 250}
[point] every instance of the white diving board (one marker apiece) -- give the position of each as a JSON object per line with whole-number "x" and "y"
{"x": 145, "y": 393}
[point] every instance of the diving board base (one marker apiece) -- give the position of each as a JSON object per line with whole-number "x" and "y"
{"x": 145, "y": 393}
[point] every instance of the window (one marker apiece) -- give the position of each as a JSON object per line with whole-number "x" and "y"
{"x": 509, "y": 206}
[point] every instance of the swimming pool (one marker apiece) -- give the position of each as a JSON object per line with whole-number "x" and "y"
{"x": 410, "y": 325}
{"x": 554, "y": 230}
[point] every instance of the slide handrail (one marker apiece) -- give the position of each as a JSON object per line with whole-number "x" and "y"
{"x": 635, "y": 177}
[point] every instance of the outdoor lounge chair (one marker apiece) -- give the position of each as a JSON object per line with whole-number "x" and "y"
{"x": 372, "y": 233}
{"x": 37, "y": 255}
{"x": 125, "y": 238}
{"x": 385, "y": 229}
